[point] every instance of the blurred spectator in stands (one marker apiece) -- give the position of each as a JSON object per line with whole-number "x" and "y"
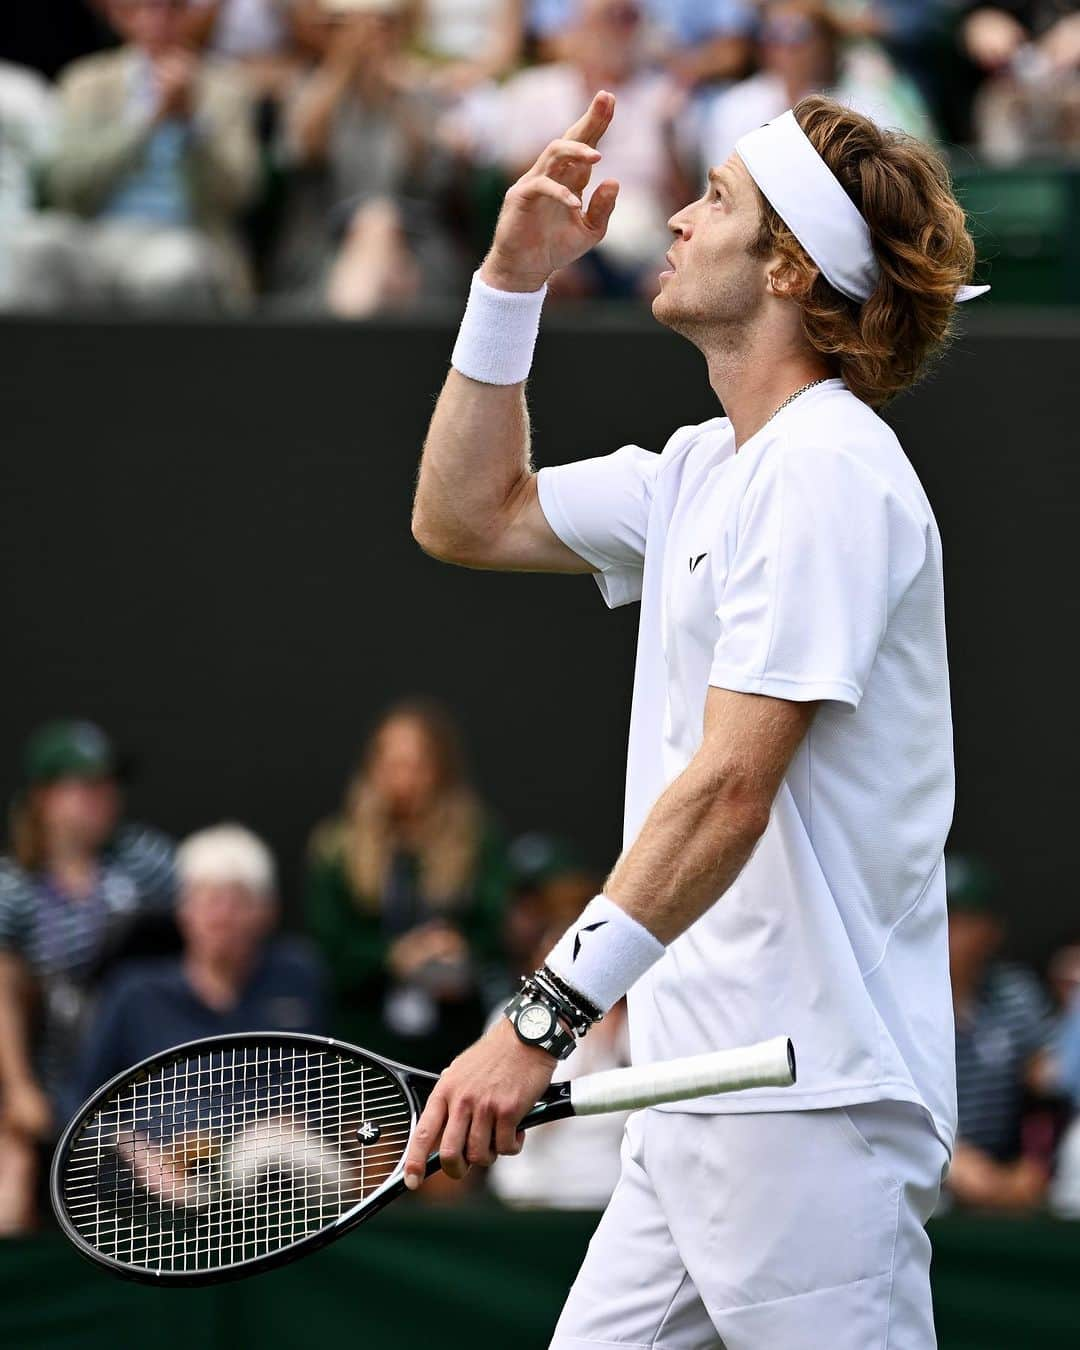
{"x": 704, "y": 41}
{"x": 802, "y": 52}
{"x": 709, "y": 42}
{"x": 468, "y": 42}
{"x": 1063, "y": 975}
{"x": 1028, "y": 52}
{"x": 405, "y": 893}
{"x": 233, "y": 974}
{"x": 604, "y": 49}
{"x": 27, "y": 112}
{"x": 1004, "y": 1033}
{"x": 73, "y": 887}
{"x": 367, "y": 232}
{"x": 261, "y": 38}
{"x": 155, "y": 159}
{"x": 1064, "y": 1197}
{"x": 914, "y": 33}
{"x": 47, "y": 35}
{"x": 548, "y": 884}
{"x": 574, "y": 1168}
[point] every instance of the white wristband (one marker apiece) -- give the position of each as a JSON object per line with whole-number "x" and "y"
{"x": 498, "y": 334}
{"x": 604, "y": 953}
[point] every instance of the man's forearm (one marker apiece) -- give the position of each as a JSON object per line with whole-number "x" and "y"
{"x": 475, "y": 460}
{"x": 694, "y": 843}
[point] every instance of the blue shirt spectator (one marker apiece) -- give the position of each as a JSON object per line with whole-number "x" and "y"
{"x": 151, "y": 1006}
{"x": 688, "y": 22}
{"x": 232, "y": 976}
{"x": 1067, "y": 1053}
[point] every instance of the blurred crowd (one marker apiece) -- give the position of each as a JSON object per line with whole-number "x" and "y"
{"x": 417, "y": 915}
{"x": 349, "y": 156}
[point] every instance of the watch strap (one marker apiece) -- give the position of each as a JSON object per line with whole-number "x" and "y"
{"x": 558, "y": 1042}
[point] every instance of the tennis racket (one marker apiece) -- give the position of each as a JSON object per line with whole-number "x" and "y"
{"x": 225, "y": 1157}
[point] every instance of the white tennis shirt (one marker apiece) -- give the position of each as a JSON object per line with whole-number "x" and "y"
{"x": 807, "y": 566}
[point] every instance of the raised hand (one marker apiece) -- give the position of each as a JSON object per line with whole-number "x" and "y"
{"x": 543, "y": 225}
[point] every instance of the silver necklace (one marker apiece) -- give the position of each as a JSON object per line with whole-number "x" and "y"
{"x": 792, "y": 397}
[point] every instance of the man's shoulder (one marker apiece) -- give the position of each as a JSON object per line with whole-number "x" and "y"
{"x": 89, "y": 74}
{"x": 143, "y": 983}
{"x": 714, "y": 433}
{"x": 841, "y": 437}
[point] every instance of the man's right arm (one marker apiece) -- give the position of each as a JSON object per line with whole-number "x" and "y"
{"x": 476, "y": 500}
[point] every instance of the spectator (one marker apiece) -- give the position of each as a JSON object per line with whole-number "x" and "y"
{"x": 470, "y": 41}
{"x": 155, "y": 160}
{"x": 72, "y": 889}
{"x": 233, "y": 975}
{"x": 367, "y": 234}
{"x": 1004, "y": 1032}
{"x": 704, "y": 40}
{"x": 710, "y": 41}
{"x": 406, "y": 891}
{"x": 1028, "y": 54}
{"x": 549, "y": 883}
{"x": 801, "y": 53}
{"x": 26, "y": 127}
{"x": 258, "y": 37}
{"x": 605, "y": 49}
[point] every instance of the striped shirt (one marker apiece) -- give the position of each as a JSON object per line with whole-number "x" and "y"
{"x": 65, "y": 942}
{"x": 1009, "y": 1022}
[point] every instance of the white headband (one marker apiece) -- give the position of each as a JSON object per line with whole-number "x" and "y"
{"x": 802, "y": 190}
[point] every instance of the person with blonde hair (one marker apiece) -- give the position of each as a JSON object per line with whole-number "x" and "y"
{"x": 232, "y": 975}
{"x": 406, "y": 891}
{"x": 790, "y": 775}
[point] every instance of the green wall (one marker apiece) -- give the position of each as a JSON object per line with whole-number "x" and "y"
{"x": 480, "y": 1277}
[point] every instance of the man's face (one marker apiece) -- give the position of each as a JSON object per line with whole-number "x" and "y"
{"x": 224, "y": 923}
{"x": 715, "y": 283}
{"x": 151, "y": 24}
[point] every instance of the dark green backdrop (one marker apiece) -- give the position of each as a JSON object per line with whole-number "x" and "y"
{"x": 204, "y": 542}
{"x": 483, "y": 1279}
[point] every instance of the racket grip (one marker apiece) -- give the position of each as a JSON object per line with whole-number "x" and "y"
{"x": 767, "y": 1064}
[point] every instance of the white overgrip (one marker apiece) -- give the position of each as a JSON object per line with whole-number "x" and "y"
{"x": 768, "y": 1064}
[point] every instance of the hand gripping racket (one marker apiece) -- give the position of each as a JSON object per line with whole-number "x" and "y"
{"x": 224, "y": 1157}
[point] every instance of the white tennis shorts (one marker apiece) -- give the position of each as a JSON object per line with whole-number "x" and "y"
{"x": 799, "y": 1230}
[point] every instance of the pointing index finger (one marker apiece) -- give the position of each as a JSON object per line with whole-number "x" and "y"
{"x": 596, "y": 120}
{"x": 425, "y": 1140}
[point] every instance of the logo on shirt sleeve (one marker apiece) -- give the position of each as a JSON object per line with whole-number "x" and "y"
{"x": 694, "y": 561}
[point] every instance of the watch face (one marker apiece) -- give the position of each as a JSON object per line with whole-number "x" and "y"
{"x": 535, "y": 1021}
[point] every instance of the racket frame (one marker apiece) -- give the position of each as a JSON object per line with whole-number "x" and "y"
{"x": 417, "y": 1085}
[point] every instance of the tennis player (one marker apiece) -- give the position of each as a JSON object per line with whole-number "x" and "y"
{"x": 790, "y": 777}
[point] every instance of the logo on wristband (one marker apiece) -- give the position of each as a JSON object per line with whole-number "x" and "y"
{"x": 589, "y": 928}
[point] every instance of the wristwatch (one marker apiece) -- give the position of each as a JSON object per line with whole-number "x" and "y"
{"x": 535, "y": 1018}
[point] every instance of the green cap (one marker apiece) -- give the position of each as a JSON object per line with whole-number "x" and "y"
{"x": 68, "y": 749}
{"x": 971, "y": 884}
{"x": 536, "y": 858}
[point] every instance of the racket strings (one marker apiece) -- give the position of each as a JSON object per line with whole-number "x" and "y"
{"x": 207, "y": 1161}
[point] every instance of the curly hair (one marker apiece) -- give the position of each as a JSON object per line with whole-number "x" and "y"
{"x": 921, "y": 241}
